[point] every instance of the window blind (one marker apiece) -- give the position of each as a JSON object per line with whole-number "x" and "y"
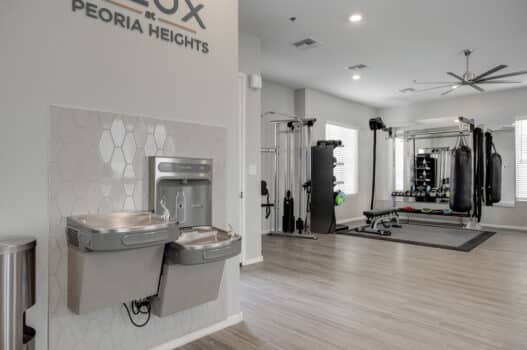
{"x": 348, "y": 157}
{"x": 521, "y": 159}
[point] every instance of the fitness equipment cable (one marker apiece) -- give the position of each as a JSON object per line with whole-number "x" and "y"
{"x": 374, "y": 168}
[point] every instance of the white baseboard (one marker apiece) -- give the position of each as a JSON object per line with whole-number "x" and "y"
{"x": 351, "y": 220}
{"x": 189, "y": 338}
{"x": 257, "y": 260}
{"x": 505, "y": 227}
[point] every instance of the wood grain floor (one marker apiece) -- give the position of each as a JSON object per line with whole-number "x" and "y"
{"x": 355, "y": 293}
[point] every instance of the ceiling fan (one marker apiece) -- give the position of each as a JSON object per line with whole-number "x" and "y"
{"x": 471, "y": 79}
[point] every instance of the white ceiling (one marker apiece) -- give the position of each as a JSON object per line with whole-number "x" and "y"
{"x": 400, "y": 40}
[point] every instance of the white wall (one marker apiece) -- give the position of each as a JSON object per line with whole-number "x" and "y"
{"x": 53, "y": 56}
{"x": 250, "y": 63}
{"x": 490, "y": 109}
{"x": 277, "y": 98}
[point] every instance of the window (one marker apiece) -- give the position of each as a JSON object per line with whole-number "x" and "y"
{"x": 521, "y": 160}
{"x": 399, "y": 164}
{"x": 347, "y": 170}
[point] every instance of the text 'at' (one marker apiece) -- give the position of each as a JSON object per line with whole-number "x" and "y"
{"x": 193, "y": 10}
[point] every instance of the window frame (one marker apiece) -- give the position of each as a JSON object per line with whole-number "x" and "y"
{"x": 517, "y": 157}
{"x": 357, "y": 130}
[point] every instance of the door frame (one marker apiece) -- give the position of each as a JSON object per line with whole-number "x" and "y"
{"x": 242, "y": 143}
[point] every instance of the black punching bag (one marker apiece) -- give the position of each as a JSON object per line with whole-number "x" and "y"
{"x": 461, "y": 179}
{"x": 494, "y": 169}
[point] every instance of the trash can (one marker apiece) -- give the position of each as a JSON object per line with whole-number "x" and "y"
{"x": 17, "y": 292}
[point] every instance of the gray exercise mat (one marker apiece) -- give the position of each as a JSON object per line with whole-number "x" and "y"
{"x": 432, "y": 236}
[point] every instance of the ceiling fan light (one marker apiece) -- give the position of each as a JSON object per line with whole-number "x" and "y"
{"x": 356, "y": 77}
{"x": 455, "y": 87}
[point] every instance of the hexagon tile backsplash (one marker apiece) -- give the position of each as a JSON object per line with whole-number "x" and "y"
{"x": 98, "y": 164}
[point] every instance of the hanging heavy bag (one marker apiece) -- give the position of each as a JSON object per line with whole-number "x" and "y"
{"x": 495, "y": 166}
{"x": 494, "y": 170}
{"x": 461, "y": 179}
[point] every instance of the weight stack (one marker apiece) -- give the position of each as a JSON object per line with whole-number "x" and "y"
{"x": 322, "y": 189}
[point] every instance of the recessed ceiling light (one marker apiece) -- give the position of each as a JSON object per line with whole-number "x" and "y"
{"x": 355, "y": 76}
{"x": 355, "y": 18}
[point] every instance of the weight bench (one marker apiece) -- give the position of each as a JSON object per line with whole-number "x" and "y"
{"x": 388, "y": 218}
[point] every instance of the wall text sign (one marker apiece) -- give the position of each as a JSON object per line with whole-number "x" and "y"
{"x": 173, "y": 21}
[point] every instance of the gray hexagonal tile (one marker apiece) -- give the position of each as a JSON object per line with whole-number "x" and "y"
{"x": 129, "y": 148}
{"x": 129, "y": 204}
{"x": 150, "y": 146}
{"x": 160, "y": 134}
{"x": 140, "y": 133}
{"x": 129, "y": 172}
{"x": 140, "y": 164}
{"x": 118, "y": 132}
{"x": 106, "y": 146}
{"x": 118, "y": 163}
{"x": 170, "y": 147}
{"x": 117, "y": 196}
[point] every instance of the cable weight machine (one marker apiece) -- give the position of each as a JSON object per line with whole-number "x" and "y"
{"x": 297, "y": 132}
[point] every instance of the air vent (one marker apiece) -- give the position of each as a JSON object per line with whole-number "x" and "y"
{"x": 407, "y": 90}
{"x": 307, "y": 43}
{"x": 358, "y": 67}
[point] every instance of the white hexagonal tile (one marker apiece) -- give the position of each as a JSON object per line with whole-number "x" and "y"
{"x": 118, "y": 163}
{"x": 140, "y": 164}
{"x": 129, "y": 148}
{"x": 130, "y": 123}
{"x": 139, "y": 199}
{"x": 117, "y": 196}
{"x": 106, "y": 146}
{"x": 150, "y": 146}
{"x": 129, "y": 204}
{"x": 160, "y": 134}
{"x": 118, "y": 132}
{"x": 140, "y": 133}
{"x": 129, "y": 172}
{"x": 170, "y": 147}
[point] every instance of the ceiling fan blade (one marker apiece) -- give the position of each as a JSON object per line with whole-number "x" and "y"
{"x": 499, "y": 82}
{"x": 455, "y": 76}
{"x": 434, "y": 88}
{"x": 489, "y": 72}
{"x": 447, "y": 92}
{"x": 503, "y": 76}
{"x": 434, "y": 82}
{"x": 477, "y": 88}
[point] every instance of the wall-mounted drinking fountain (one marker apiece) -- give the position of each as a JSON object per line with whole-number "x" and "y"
{"x": 114, "y": 258}
{"x": 194, "y": 263}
